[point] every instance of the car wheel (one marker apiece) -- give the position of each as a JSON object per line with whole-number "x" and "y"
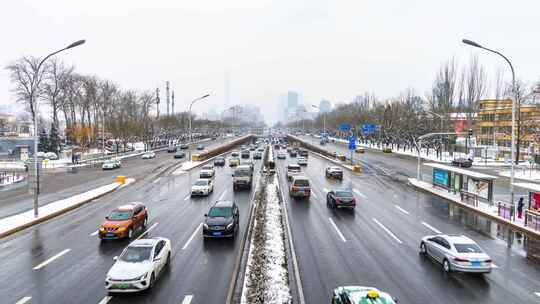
{"x": 145, "y": 222}
{"x": 327, "y": 203}
{"x": 446, "y": 266}
{"x": 130, "y": 233}
{"x": 152, "y": 281}
{"x": 168, "y": 261}
{"x": 423, "y": 248}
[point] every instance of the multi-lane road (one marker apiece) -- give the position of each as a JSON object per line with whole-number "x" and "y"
{"x": 377, "y": 243}
{"x": 63, "y": 261}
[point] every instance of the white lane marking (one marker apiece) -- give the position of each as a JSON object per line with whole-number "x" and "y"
{"x": 156, "y": 180}
{"x": 359, "y": 193}
{"x": 494, "y": 266}
{"x": 94, "y": 233}
{"x": 537, "y": 294}
{"x": 105, "y": 300}
{"x": 337, "y": 230}
{"x": 187, "y": 197}
{"x": 431, "y": 227}
{"x": 24, "y": 300}
{"x": 187, "y": 299}
{"x": 56, "y": 256}
{"x": 314, "y": 195}
{"x": 325, "y": 190}
{"x": 223, "y": 194}
{"x": 147, "y": 230}
{"x": 387, "y": 230}
{"x": 191, "y": 237}
{"x": 401, "y": 209}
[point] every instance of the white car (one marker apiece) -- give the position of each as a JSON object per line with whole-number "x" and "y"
{"x": 148, "y": 155}
{"x": 202, "y": 186}
{"x": 293, "y": 170}
{"x": 139, "y": 265}
{"x": 111, "y": 164}
{"x": 51, "y": 155}
{"x": 302, "y": 161}
{"x": 207, "y": 171}
{"x": 281, "y": 155}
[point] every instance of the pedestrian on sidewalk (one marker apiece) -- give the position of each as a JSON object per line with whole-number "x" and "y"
{"x": 520, "y": 207}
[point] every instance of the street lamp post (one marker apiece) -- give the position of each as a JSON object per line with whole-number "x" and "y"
{"x": 35, "y": 105}
{"x": 514, "y": 100}
{"x": 324, "y": 117}
{"x": 190, "y": 134}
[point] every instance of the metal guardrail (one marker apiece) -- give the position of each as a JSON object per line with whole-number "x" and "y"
{"x": 532, "y": 220}
{"x": 469, "y": 198}
{"x": 505, "y": 210}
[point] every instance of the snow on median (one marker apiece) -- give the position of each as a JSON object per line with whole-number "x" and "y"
{"x": 266, "y": 276}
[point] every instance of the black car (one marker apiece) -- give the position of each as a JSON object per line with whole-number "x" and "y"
{"x": 171, "y": 149}
{"x": 303, "y": 153}
{"x": 462, "y": 162}
{"x": 180, "y": 154}
{"x": 219, "y": 161}
{"x": 257, "y": 155}
{"x": 184, "y": 146}
{"x": 200, "y": 147}
{"x": 293, "y": 153}
{"x": 340, "y": 199}
{"x": 245, "y": 154}
{"x": 221, "y": 220}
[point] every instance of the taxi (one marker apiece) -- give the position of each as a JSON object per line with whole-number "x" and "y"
{"x": 234, "y": 161}
{"x": 359, "y": 150}
{"x": 360, "y": 295}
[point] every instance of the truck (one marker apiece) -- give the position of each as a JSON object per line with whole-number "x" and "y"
{"x": 242, "y": 177}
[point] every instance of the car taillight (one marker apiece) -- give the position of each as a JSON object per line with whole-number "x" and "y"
{"x": 294, "y": 188}
{"x": 487, "y": 261}
{"x": 354, "y": 200}
{"x": 458, "y": 259}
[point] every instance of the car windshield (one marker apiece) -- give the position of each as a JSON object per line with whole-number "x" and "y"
{"x": 294, "y": 169}
{"x": 207, "y": 168}
{"x": 201, "y": 182}
{"x": 343, "y": 194}
{"x": 220, "y": 212}
{"x": 468, "y": 248}
{"x": 135, "y": 254}
{"x": 119, "y": 215}
{"x": 301, "y": 183}
{"x": 242, "y": 172}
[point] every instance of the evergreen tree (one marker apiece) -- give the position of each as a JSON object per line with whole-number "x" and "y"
{"x": 43, "y": 145}
{"x": 54, "y": 140}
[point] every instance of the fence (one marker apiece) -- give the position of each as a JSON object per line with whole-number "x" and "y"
{"x": 505, "y": 210}
{"x": 469, "y": 198}
{"x": 532, "y": 220}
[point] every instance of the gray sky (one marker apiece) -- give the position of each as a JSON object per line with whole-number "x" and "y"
{"x": 322, "y": 49}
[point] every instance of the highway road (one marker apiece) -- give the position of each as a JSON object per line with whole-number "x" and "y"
{"x": 377, "y": 243}
{"x": 200, "y": 270}
{"x": 57, "y": 186}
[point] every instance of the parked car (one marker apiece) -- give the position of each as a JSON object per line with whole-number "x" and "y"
{"x": 340, "y": 199}
{"x": 139, "y": 265}
{"x": 462, "y": 162}
{"x": 180, "y": 154}
{"x": 148, "y": 155}
{"x": 456, "y": 253}
{"x": 360, "y": 295}
{"x": 293, "y": 170}
{"x": 111, "y": 164}
{"x": 221, "y": 220}
{"x": 334, "y": 172}
{"x": 300, "y": 187}
{"x": 124, "y": 221}
{"x": 219, "y": 161}
{"x": 202, "y": 186}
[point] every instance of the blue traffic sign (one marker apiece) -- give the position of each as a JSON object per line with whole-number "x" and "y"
{"x": 352, "y": 142}
{"x": 344, "y": 127}
{"x": 369, "y": 128}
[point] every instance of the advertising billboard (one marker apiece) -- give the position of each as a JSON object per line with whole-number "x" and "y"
{"x": 478, "y": 187}
{"x": 441, "y": 177}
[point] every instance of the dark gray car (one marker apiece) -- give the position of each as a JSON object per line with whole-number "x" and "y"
{"x": 221, "y": 220}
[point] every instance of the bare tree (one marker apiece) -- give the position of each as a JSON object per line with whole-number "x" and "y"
{"x": 473, "y": 86}
{"x": 56, "y": 75}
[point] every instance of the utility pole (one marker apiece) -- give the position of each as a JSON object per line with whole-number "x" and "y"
{"x": 167, "y": 96}
{"x": 157, "y": 102}
{"x": 172, "y": 99}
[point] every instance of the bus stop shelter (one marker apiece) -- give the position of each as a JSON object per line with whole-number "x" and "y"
{"x": 471, "y": 185}
{"x": 532, "y": 212}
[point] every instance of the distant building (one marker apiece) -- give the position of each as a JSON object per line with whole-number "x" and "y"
{"x": 461, "y": 122}
{"x": 325, "y": 106}
{"x": 494, "y": 124}
{"x": 289, "y": 104}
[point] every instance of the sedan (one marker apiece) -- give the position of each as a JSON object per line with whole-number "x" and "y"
{"x": 139, "y": 265}
{"x": 111, "y": 164}
{"x": 180, "y": 154}
{"x": 462, "y": 162}
{"x": 257, "y": 155}
{"x": 219, "y": 161}
{"x": 282, "y": 155}
{"x": 148, "y": 155}
{"x": 302, "y": 161}
{"x": 171, "y": 149}
{"x": 200, "y": 147}
{"x": 340, "y": 199}
{"x": 184, "y": 146}
{"x": 202, "y": 186}
{"x": 360, "y": 295}
{"x": 334, "y": 172}
{"x": 456, "y": 253}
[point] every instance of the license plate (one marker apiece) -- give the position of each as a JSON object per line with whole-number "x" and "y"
{"x": 109, "y": 235}
{"x": 122, "y": 286}
{"x": 475, "y": 263}
{"x": 216, "y": 233}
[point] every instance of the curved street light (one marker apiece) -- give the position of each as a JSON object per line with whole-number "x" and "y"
{"x": 190, "y": 134}
{"x": 35, "y": 105}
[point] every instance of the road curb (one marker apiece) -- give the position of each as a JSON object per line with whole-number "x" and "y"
{"x": 54, "y": 214}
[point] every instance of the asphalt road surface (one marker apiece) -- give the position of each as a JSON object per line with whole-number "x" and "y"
{"x": 57, "y": 186}
{"x": 200, "y": 270}
{"x": 377, "y": 243}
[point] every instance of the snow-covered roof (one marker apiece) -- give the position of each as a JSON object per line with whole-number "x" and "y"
{"x": 470, "y": 173}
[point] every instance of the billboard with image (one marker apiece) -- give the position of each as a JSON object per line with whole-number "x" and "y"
{"x": 478, "y": 187}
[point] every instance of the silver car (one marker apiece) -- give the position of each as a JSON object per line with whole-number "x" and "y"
{"x": 456, "y": 253}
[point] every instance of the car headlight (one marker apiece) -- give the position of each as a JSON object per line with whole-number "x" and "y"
{"x": 120, "y": 229}
{"x": 141, "y": 277}
{"x": 205, "y": 226}
{"x": 230, "y": 226}
{"x": 101, "y": 229}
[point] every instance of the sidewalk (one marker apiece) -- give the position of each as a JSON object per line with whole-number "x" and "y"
{"x": 491, "y": 212}
{"x": 18, "y": 222}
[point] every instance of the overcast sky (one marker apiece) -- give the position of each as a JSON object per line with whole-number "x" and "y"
{"x": 322, "y": 49}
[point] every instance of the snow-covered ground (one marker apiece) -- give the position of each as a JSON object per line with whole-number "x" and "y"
{"x": 523, "y": 173}
{"x": 16, "y": 222}
{"x": 266, "y": 277}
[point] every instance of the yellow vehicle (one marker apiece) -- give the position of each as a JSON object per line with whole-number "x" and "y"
{"x": 234, "y": 161}
{"x": 359, "y": 150}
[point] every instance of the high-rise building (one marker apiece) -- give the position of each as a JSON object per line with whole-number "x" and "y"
{"x": 292, "y": 100}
